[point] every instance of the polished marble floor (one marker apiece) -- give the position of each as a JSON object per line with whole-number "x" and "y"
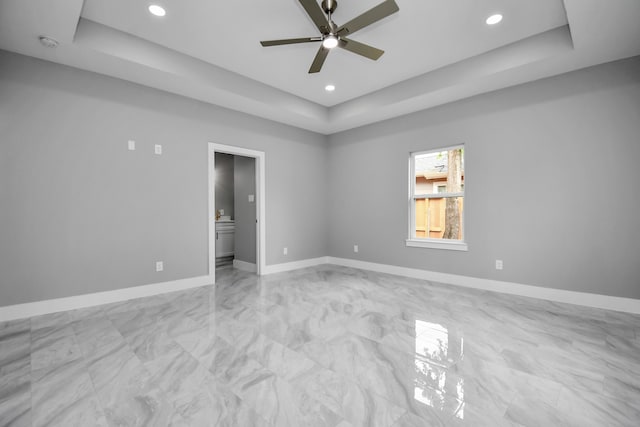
{"x": 323, "y": 346}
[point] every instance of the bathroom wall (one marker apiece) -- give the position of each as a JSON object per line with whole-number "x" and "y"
{"x": 245, "y": 211}
{"x": 225, "y": 183}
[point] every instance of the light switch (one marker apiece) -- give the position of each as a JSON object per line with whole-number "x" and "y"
{"x": 132, "y": 145}
{"x": 251, "y": 198}
{"x": 158, "y": 149}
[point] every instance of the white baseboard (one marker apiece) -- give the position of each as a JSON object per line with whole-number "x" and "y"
{"x": 20, "y": 311}
{"x": 628, "y": 305}
{"x": 244, "y": 266}
{"x": 295, "y": 265}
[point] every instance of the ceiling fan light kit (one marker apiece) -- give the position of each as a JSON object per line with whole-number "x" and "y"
{"x": 330, "y": 41}
{"x": 332, "y": 35}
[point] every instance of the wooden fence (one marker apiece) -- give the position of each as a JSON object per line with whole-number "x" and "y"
{"x": 431, "y": 216}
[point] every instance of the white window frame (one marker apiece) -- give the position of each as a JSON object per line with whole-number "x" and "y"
{"x": 425, "y": 242}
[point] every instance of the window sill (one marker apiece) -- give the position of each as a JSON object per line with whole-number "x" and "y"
{"x": 434, "y": 244}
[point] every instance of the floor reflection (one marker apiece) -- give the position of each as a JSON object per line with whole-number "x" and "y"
{"x": 437, "y": 349}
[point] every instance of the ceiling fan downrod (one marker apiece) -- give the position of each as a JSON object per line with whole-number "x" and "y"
{"x": 329, "y": 6}
{"x": 331, "y": 39}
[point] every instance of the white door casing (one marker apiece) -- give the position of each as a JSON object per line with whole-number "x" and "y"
{"x": 259, "y": 156}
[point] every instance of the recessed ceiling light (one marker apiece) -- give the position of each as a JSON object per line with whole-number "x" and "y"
{"x": 329, "y": 88}
{"x": 494, "y": 19}
{"x": 157, "y": 10}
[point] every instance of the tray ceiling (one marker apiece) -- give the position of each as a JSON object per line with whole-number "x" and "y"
{"x": 435, "y": 52}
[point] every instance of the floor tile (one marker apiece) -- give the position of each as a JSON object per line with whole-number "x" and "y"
{"x": 53, "y": 346}
{"x": 323, "y": 346}
{"x": 65, "y": 396}
{"x": 15, "y": 399}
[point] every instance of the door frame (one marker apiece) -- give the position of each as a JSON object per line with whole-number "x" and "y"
{"x": 259, "y": 156}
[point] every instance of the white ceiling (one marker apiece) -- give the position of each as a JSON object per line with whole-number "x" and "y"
{"x": 435, "y": 51}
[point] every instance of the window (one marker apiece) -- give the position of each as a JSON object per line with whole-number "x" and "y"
{"x": 436, "y": 199}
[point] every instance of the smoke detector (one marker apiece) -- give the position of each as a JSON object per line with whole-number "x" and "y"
{"x": 48, "y": 41}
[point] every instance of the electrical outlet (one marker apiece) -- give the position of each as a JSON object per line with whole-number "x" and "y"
{"x": 252, "y": 198}
{"x": 285, "y": 251}
{"x": 131, "y": 145}
{"x": 158, "y": 149}
{"x": 498, "y": 264}
{"x": 355, "y": 248}
{"x": 159, "y": 266}
{"x": 221, "y": 211}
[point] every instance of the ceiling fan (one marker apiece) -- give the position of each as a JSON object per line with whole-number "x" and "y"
{"x": 333, "y": 35}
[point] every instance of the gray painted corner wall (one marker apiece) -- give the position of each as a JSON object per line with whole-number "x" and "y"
{"x": 82, "y": 214}
{"x": 529, "y": 150}
{"x": 225, "y": 183}
{"x": 245, "y": 185}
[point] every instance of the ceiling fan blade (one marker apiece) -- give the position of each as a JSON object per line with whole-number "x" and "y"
{"x": 374, "y": 14}
{"x": 360, "y": 48}
{"x": 316, "y": 66}
{"x": 267, "y": 43}
{"x": 317, "y": 15}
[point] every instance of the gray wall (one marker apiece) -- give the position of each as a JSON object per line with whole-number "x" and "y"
{"x": 245, "y": 184}
{"x": 528, "y": 152}
{"x": 80, "y": 213}
{"x": 225, "y": 190}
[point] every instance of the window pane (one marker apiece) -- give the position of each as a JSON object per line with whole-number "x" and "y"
{"x": 439, "y": 218}
{"x": 439, "y": 172}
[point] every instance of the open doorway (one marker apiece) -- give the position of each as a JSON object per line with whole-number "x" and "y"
{"x": 236, "y": 208}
